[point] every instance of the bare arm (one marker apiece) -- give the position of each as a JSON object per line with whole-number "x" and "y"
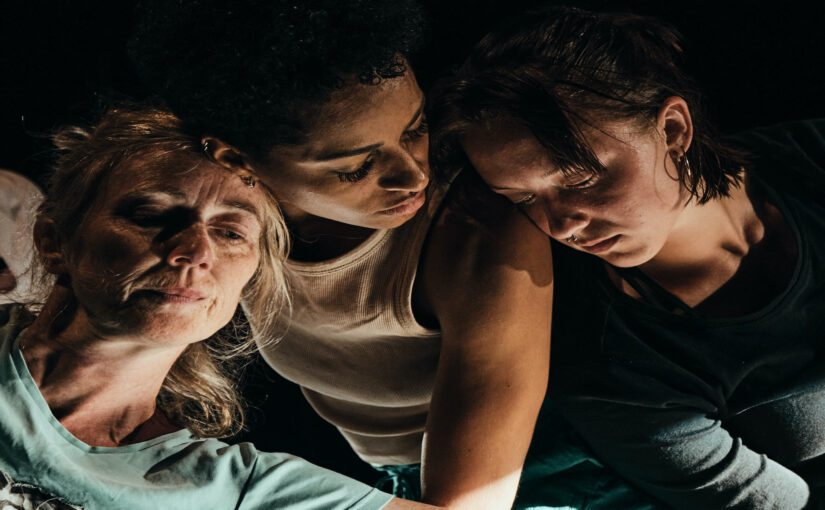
{"x": 403, "y": 504}
{"x": 490, "y": 288}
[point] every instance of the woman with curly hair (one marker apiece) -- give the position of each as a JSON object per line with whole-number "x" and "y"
{"x": 687, "y": 340}
{"x": 422, "y": 335}
{"x": 115, "y": 389}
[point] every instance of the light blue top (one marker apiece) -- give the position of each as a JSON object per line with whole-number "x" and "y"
{"x": 40, "y": 459}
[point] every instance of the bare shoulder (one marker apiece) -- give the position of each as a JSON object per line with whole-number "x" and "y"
{"x": 480, "y": 237}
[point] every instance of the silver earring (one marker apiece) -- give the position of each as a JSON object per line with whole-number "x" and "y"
{"x": 683, "y": 164}
{"x": 572, "y": 239}
{"x": 206, "y": 152}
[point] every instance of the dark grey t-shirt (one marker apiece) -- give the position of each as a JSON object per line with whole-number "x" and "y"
{"x": 708, "y": 413}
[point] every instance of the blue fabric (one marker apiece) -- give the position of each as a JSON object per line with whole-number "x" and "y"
{"x": 559, "y": 474}
{"x": 43, "y": 466}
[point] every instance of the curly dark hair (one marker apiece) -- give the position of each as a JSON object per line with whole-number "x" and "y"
{"x": 559, "y": 68}
{"x": 250, "y": 72}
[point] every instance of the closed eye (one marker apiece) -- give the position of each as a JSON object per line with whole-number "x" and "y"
{"x": 526, "y": 199}
{"x": 418, "y": 132}
{"x": 583, "y": 183}
{"x": 359, "y": 173}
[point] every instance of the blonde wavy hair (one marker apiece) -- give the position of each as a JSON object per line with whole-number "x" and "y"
{"x": 199, "y": 392}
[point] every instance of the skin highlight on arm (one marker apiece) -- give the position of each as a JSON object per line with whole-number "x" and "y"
{"x": 493, "y": 302}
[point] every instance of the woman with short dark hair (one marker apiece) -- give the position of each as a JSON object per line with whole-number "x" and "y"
{"x": 687, "y": 342}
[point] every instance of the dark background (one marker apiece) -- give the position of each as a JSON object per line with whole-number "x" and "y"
{"x": 61, "y": 61}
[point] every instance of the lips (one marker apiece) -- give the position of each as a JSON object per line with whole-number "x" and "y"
{"x": 599, "y": 245}
{"x": 407, "y": 206}
{"x": 177, "y": 294}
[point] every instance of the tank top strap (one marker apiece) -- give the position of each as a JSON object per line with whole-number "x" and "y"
{"x": 651, "y": 292}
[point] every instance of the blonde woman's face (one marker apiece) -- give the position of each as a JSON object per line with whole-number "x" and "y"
{"x": 166, "y": 249}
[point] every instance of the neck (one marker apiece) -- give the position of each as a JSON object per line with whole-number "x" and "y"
{"x": 315, "y": 239}
{"x": 728, "y": 225}
{"x": 707, "y": 245}
{"x": 101, "y": 387}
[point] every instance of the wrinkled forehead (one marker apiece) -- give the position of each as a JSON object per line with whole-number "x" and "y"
{"x": 160, "y": 168}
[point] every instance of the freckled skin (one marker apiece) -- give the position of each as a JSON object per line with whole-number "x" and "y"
{"x": 185, "y": 243}
{"x": 638, "y": 197}
{"x": 356, "y": 116}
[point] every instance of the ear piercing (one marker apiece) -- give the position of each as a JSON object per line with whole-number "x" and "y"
{"x": 572, "y": 239}
{"x": 683, "y": 164}
{"x": 246, "y": 179}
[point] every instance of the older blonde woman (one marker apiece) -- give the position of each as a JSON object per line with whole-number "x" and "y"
{"x": 114, "y": 391}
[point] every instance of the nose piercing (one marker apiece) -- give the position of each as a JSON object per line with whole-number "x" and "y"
{"x": 572, "y": 239}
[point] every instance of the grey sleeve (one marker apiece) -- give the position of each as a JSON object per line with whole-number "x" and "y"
{"x": 684, "y": 458}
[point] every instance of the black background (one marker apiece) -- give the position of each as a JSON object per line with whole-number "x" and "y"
{"x": 758, "y": 63}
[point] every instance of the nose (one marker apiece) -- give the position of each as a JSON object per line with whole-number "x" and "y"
{"x": 563, "y": 222}
{"x": 405, "y": 173}
{"x": 191, "y": 248}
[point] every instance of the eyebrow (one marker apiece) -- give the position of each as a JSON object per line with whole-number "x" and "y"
{"x": 243, "y": 207}
{"x": 350, "y": 153}
{"x": 139, "y": 196}
{"x": 547, "y": 173}
{"x": 369, "y": 148}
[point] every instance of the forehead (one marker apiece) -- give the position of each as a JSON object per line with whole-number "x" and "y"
{"x": 185, "y": 175}
{"x": 358, "y": 115}
{"x": 503, "y": 145}
{"x": 155, "y": 169}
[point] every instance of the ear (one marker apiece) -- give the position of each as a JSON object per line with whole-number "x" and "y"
{"x": 227, "y": 156}
{"x": 675, "y": 122}
{"x": 48, "y": 244}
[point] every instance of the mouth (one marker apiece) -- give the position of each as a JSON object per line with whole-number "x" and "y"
{"x": 407, "y": 206}
{"x": 181, "y": 295}
{"x": 599, "y": 245}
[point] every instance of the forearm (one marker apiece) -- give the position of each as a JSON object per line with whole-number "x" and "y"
{"x": 476, "y": 443}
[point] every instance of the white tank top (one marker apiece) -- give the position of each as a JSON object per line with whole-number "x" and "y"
{"x": 362, "y": 360}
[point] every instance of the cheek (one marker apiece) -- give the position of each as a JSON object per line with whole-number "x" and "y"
{"x": 234, "y": 274}
{"x": 110, "y": 260}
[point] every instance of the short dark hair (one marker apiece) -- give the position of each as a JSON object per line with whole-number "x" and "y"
{"x": 249, "y": 72}
{"x": 554, "y": 69}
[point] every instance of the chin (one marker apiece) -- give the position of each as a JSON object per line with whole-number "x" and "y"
{"x": 628, "y": 258}
{"x": 171, "y": 327}
{"x": 395, "y": 222}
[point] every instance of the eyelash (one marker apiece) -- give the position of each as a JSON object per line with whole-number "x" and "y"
{"x": 359, "y": 173}
{"x": 230, "y": 235}
{"x": 422, "y": 129}
{"x": 363, "y": 170}
{"x": 583, "y": 184}
{"x": 146, "y": 218}
{"x": 528, "y": 199}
